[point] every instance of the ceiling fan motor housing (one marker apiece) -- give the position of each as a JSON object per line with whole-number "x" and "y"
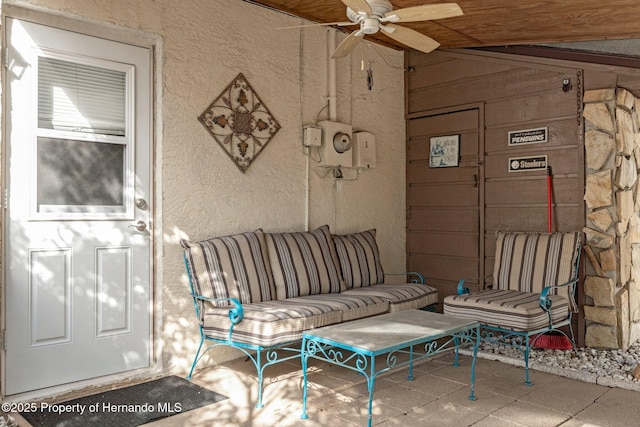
{"x": 378, "y": 9}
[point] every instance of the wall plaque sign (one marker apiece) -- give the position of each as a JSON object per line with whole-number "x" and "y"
{"x": 444, "y": 151}
{"x": 526, "y": 164}
{"x": 240, "y": 122}
{"x": 528, "y": 136}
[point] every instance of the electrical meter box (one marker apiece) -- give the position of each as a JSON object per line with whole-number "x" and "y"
{"x": 336, "y": 144}
{"x": 312, "y": 136}
{"x": 364, "y": 150}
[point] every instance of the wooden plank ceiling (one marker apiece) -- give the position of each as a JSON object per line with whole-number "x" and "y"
{"x": 496, "y": 22}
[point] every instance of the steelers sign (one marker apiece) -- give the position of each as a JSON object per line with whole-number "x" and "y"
{"x": 526, "y": 164}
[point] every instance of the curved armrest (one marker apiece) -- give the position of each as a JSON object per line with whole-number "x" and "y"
{"x": 564, "y": 285}
{"x": 200, "y": 297}
{"x": 236, "y": 313}
{"x": 545, "y": 303}
{"x": 418, "y": 277}
{"x": 463, "y": 289}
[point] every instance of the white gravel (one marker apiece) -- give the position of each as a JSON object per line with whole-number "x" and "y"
{"x": 611, "y": 368}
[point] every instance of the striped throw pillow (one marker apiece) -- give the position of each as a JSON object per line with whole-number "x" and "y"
{"x": 527, "y": 262}
{"x": 304, "y": 263}
{"x": 231, "y": 267}
{"x": 359, "y": 259}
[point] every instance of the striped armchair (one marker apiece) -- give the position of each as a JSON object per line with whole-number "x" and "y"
{"x": 534, "y": 284}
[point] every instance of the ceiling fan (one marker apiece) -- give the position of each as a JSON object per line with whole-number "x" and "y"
{"x": 378, "y": 15}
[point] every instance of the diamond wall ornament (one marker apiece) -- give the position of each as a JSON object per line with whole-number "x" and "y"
{"x": 240, "y": 122}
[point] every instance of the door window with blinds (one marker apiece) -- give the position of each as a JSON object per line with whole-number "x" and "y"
{"x": 84, "y": 144}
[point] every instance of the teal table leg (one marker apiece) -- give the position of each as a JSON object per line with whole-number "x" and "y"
{"x": 410, "y": 377}
{"x": 260, "y": 378}
{"x": 304, "y": 355}
{"x": 476, "y": 344}
{"x": 456, "y": 342}
{"x": 370, "y": 383}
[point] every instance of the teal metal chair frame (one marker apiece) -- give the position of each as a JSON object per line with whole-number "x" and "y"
{"x": 523, "y": 340}
{"x": 260, "y": 356}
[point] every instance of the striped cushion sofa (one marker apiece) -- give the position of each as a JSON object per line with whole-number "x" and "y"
{"x": 259, "y": 292}
{"x": 533, "y": 291}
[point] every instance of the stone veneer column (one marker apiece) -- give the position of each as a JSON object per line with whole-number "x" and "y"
{"x": 612, "y": 198}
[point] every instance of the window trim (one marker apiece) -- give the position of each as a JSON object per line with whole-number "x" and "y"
{"x": 85, "y": 212}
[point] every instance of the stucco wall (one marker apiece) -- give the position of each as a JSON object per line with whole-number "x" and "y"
{"x": 202, "y": 45}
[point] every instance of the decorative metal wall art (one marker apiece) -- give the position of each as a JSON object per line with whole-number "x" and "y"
{"x": 240, "y": 122}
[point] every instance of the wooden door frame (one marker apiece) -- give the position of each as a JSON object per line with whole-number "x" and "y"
{"x": 481, "y": 214}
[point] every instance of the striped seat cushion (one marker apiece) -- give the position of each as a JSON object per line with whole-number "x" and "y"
{"x": 351, "y": 306}
{"x": 401, "y": 296}
{"x": 359, "y": 259}
{"x": 270, "y": 323}
{"x": 515, "y": 310}
{"x": 233, "y": 266}
{"x": 277, "y": 322}
{"x": 528, "y": 262}
{"x": 304, "y": 263}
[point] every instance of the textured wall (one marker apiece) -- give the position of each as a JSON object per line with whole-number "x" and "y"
{"x": 203, "y": 45}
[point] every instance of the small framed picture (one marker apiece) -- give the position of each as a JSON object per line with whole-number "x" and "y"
{"x": 444, "y": 151}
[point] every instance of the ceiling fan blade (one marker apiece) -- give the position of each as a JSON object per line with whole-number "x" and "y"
{"x": 348, "y": 44}
{"x": 338, "y": 24}
{"x": 425, "y": 12}
{"x": 410, "y": 37}
{"x": 358, "y": 6}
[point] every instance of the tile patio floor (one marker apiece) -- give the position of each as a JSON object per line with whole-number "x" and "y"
{"x": 438, "y": 396}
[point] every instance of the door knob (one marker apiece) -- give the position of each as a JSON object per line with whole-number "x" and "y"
{"x": 140, "y": 226}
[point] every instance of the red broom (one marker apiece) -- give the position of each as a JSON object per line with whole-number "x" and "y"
{"x": 553, "y": 340}
{"x": 549, "y": 201}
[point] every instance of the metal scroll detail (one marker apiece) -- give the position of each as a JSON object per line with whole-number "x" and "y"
{"x": 240, "y": 122}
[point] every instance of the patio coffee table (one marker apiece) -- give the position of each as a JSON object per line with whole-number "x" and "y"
{"x": 412, "y": 334}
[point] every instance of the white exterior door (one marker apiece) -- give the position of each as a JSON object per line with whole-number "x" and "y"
{"x": 78, "y": 248}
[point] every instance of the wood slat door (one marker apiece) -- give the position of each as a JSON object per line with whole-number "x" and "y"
{"x": 443, "y": 224}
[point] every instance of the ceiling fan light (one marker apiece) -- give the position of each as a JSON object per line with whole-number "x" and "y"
{"x": 370, "y": 26}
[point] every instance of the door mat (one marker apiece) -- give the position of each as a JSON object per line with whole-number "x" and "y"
{"x": 124, "y": 407}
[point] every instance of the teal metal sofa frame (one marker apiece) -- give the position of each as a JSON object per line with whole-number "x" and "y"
{"x": 261, "y": 356}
